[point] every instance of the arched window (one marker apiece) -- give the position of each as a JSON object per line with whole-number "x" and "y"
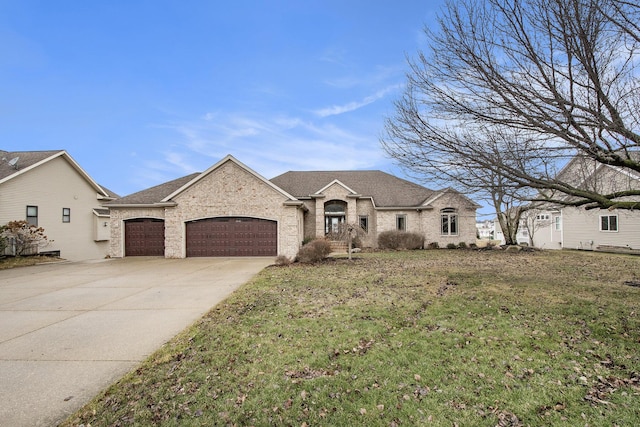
{"x": 335, "y": 213}
{"x": 449, "y": 222}
{"x": 335, "y": 207}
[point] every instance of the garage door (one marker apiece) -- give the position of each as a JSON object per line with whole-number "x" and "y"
{"x": 144, "y": 237}
{"x": 237, "y": 236}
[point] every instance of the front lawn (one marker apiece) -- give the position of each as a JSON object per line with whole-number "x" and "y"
{"x": 439, "y": 337}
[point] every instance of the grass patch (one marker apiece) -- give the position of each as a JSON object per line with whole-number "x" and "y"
{"x": 403, "y": 338}
{"x": 25, "y": 261}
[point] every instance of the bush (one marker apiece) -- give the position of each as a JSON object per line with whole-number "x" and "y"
{"x": 314, "y": 251}
{"x": 26, "y": 238}
{"x": 433, "y": 245}
{"x": 462, "y": 245}
{"x": 282, "y": 260}
{"x": 452, "y": 246}
{"x": 3, "y": 244}
{"x": 395, "y": 239}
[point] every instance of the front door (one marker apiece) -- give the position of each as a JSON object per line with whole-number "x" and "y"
{"x": 333, "y": 224}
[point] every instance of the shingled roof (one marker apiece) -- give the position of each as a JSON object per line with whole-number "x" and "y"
{"x": 25, "y": 159}
{"x": 385, "y": 189}
{"x": 14, "y": 163}
{"x": 154, "y": 194}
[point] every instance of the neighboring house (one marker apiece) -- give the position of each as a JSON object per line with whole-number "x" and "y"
{"x": 522, "y": 236}
{"x": 597, "y": 229}
{"x": 546, "y": 228}
{"x": 485, "y": 229}
{"x": 230, "y": 210}
{"x": 558, "y": 226}
{"x": 540, "y": 228}
{"x": 49, "y": 189}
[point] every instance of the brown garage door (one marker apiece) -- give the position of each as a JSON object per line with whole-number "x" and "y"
{"x": 144, "y": 237}
{"x": 237, "y": 236}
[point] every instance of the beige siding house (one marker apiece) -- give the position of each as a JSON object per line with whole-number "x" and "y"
{"x": 49, "y": 189}
{"x": 230, "y": 210}
{"x": 593, "y": 229}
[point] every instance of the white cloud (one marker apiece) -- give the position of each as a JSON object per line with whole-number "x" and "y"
{"x": 352, "y": 106}
{"x": 272, "y": 144}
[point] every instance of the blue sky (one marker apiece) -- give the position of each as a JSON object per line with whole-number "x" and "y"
{"x": 140, "y": 92}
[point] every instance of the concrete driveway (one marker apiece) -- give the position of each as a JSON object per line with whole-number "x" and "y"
{"x": 69, "y": 330}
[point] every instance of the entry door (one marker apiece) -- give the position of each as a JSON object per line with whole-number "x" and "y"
{"x": 333, "y": 224}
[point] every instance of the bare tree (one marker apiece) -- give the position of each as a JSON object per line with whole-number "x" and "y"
{"x": 458, "y": 165}
{"x": 513, "y": 89}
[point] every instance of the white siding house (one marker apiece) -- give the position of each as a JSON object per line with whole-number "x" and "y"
{"x": 51, "y": 190}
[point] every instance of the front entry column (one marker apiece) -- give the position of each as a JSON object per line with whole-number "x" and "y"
{"x": 319, "y": 218}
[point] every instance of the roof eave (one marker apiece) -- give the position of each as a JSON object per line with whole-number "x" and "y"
{"x": 399, "y": 208}
{"x": 140, "y": 205}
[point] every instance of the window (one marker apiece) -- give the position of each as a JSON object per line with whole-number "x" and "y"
{"x": 448, "y": 222}
{"x": 542, "y": 217}
{"x": 401, "y": 222}
{"x": 335, "y": 212}
{"x": 32, "y": 215}
{"x": 557, "y": 221}
{"x": 364, "y": 223}
{"x": 66, "y": 214}
{"x": 609, "y": 223}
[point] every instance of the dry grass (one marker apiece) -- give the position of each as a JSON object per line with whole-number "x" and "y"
{"x": 24, "y": 261}
{"x": 405, "y": 338}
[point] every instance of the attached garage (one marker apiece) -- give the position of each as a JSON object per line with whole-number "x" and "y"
{"x": 226, "y": 211}
{"x": 232, "y": 236}
{"x": 144, "y": 237}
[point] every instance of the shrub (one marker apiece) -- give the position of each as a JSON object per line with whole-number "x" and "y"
{"x": 314, "y": 251}
{"x": 452, "y": 246}
{"x": 395, "y": 239}
{"x": 413, "y": 241}
{"x": 462, "y": 245}
{"x": 389, "y": 240}
{"x": 282, "y": 260}
{"x": 26, "y": 238}
{"x": 433, "y": 245}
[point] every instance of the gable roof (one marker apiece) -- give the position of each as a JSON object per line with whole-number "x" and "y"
{"x": 28, "y": 160}
{"x": 385, "y": 189}
{"x": 227, "y": 158}
{"x": 154, "y": 195}
{"x": 583, "y": 171}
{"x": 163, "y": 194}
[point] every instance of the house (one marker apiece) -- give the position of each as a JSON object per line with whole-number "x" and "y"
{"x": 485, "y": 229}
{"x": 522, "y": 236}
{"x": 591, "y": 228}
{"x": 545, "y": 227}
{"x": 231, "y": 210}
{"x": 50, "y": 190}
{"x": 534, "y": 229}
{"x": 568, "y": 227}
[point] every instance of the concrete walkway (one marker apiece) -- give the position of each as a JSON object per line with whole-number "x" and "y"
{"x": 69, "y": 330}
